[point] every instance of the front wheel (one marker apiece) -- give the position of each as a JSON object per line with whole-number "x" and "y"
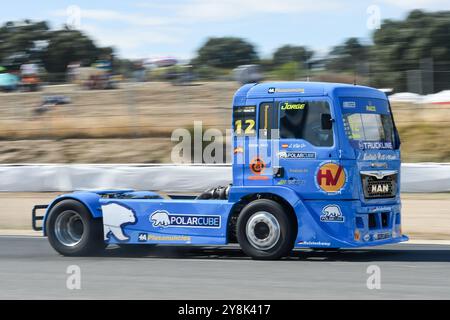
{"x": 72, "y": 231}
{"x": 265, "y": 230}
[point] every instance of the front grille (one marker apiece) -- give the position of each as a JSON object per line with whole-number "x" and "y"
{"x": 375, "y": 220}
{"x": 385, "y": 219}
{"x": 377, "y": 185}
{"x": 372, "y": 221}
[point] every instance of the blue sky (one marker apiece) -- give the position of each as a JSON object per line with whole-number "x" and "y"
{"x": 153, "y": 28}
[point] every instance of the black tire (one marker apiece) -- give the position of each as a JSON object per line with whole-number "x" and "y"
{"x": 89, "y": 230}
{"x": 287, "y": 230}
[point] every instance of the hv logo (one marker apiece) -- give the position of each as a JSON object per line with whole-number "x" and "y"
{"x": 162, "y": 218}
{"x": 331, "y": 177}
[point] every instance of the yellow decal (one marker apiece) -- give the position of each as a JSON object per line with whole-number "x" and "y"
{"x": 168, "y": 238}
{"x": 293, "y": 106}
{"x": 249, "y": 129}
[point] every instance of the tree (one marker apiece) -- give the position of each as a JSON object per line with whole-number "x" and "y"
{"x": 21, "y": 38}
{"x": 288, "y": 71}
{"x": 349, "y": 56}
{"x": 66, "y": 46}
{"x": 26, "y": 40}
{"x": 226, "y": 52}
{"x": 400, "y": 46}
{"x": 288, "y": 53}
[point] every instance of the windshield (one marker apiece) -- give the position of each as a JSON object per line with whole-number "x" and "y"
{"x": 369, "y": 131}
{"x": 368, "y": 123}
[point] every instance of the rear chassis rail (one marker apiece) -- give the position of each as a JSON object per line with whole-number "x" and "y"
{"x": 35, "y": 217}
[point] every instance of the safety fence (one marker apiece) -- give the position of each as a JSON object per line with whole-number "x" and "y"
{"x": 415, "y": 177}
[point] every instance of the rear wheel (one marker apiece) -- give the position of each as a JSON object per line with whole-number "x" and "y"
{"x": 72, "y": 231}
{"x": 265, "y": 230}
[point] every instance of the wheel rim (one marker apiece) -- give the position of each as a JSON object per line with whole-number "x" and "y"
{"x": 69, "y": 228}
{"x": 263, "y": 230}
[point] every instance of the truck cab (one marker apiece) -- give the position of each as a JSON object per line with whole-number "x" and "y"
{"x": 334, "y": 145}
{"x": 315, "y": 165}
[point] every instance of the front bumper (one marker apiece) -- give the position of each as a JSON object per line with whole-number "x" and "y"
{"x": 349, "y": 244}
{"x": 348, "y": 225}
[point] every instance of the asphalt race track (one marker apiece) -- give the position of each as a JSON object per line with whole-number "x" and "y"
{"x": 30, "y": 269}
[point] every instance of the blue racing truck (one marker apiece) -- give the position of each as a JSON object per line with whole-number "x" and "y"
{"x": 315, "y": 165}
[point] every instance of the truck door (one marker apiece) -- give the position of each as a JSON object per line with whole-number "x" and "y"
{"x": 244, "y": 127}
{"x": 258, "y": 145}
{"x": 307, "y": 159}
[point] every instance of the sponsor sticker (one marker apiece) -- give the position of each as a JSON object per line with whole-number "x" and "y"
{"x": 379, "y": 157}
{"x": 366, "y": 145}
{"x": 382, "y": 236}
{"x": 286, "y": 90}
{"x": 293, "y": 106}
{"x": 238, "y": 150}
{"x": 296, "y": 155}
{"x": 257, "y": 167}
{"x": 294, "y": 145}
{"x": 164, "y": 219}
{"x": 331, "y": 177}
{"x": 315, "y": 243}
{"x": 298, "y": 170}
{"x": 332, "y": 213}
{"x": 381, "y": 209}
{"x": 349, "y": 104}
{"x": 379, "y": 165}
{"x": 144, "y": 237}
{"x": 291, "y": 181}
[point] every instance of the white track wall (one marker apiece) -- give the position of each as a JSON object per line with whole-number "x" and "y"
{"x": 415, "y": 177}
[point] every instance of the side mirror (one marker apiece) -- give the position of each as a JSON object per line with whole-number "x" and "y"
{"x": 326, "y": 121}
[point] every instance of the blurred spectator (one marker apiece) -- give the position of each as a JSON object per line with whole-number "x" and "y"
{"x": 29, "y": 76}
{"x": 8, "y": 81}
{"x": 73, "y": 70}
{"x": 29, "y": 69}
{"x": 139, "y": 71}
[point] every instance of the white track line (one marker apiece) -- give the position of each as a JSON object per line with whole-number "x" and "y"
{"x": 423, "y": 241}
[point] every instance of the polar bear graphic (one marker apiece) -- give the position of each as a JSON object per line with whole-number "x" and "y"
{"x": 114, "y": 216}
{"x": 332, "y": 213}
{"x": 282, "y": 154}
{"x": 160, "y": 218}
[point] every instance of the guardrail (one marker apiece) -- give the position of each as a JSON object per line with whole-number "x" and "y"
{"x": 415, "y": 177}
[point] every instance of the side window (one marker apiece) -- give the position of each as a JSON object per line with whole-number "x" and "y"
{"x": 245, "y": 121}
{"x": 267, "y": 120}
{"x": 302, "y": 120}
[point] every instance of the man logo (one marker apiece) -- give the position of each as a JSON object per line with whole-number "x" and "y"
{"x": 331, "y": 177}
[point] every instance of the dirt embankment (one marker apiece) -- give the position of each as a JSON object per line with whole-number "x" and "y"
{"x": 134, "y": 123}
